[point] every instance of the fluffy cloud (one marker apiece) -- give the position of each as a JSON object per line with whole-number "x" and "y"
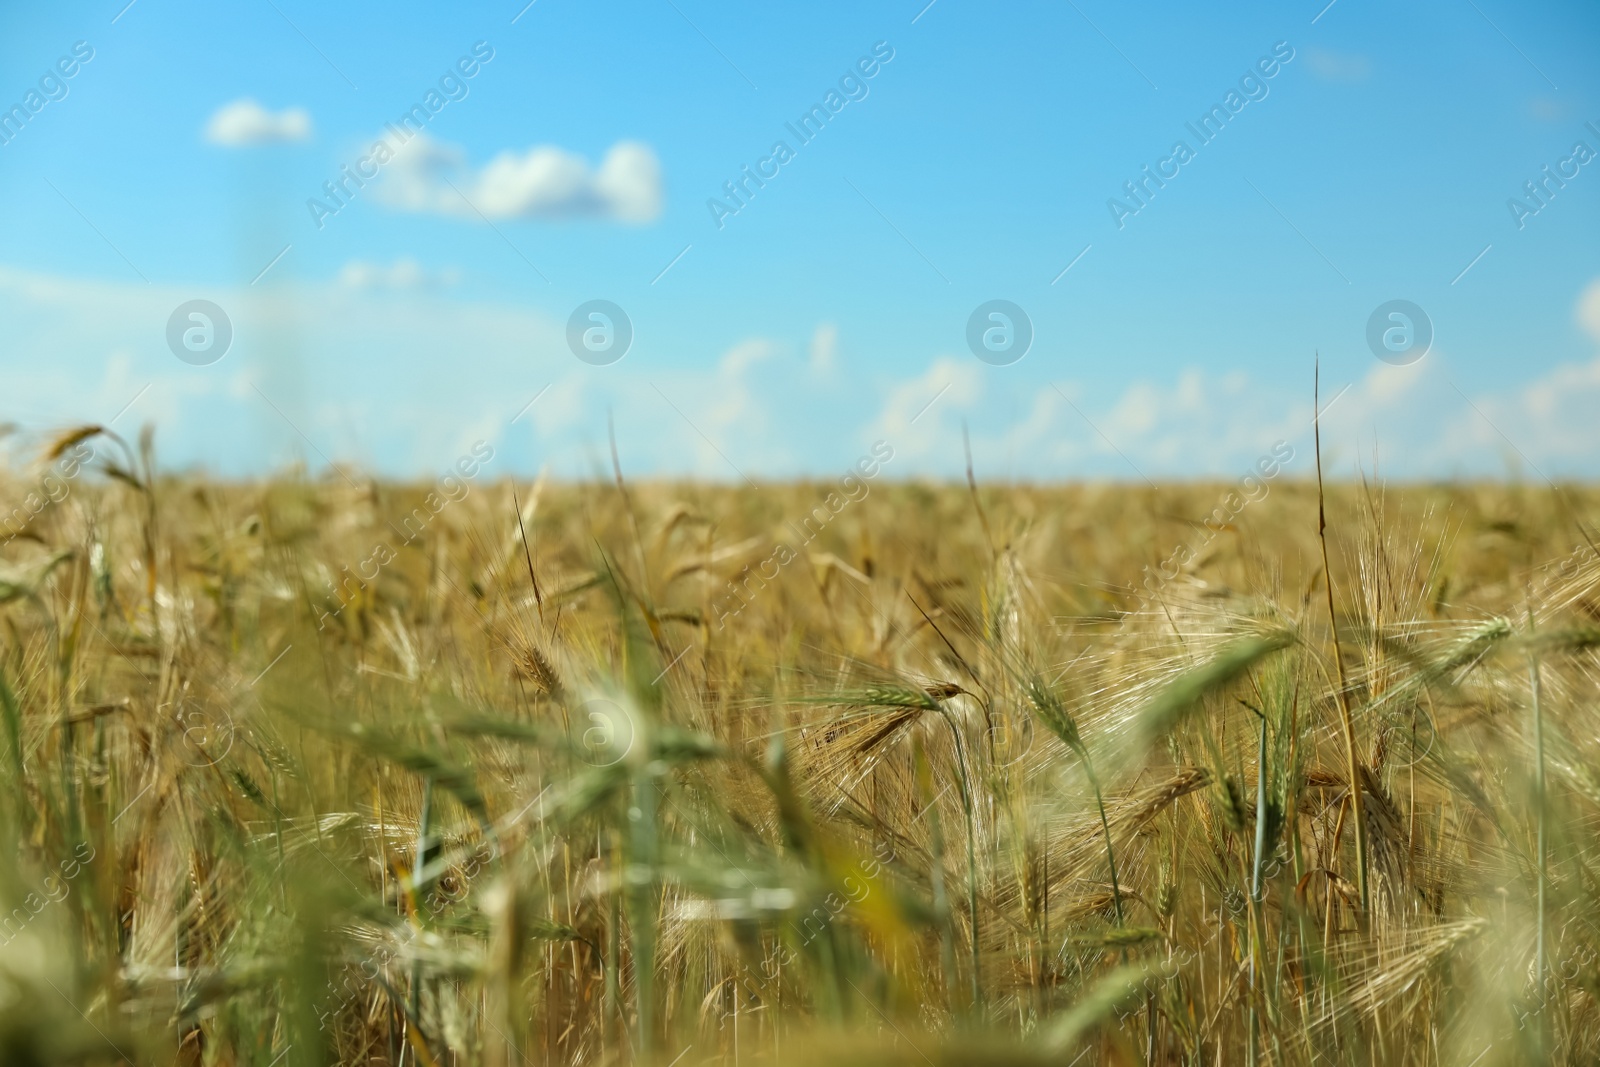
{"x": 404, "y": 385}
{"x": 396, "y": 385}
{"x": 744, "y": 355}
{"x": 543, "y": 182}
{"x": 919, "y": 415}
{"x": 1423, "y": 420}
{"x": 1417, "y": 421}
{"x": 245, "y": 122}
{"x": 1198, "y": 424}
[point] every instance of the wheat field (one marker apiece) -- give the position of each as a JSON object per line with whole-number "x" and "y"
{"x": 325, "y": 770}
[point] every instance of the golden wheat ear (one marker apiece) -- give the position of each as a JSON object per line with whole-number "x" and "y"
{"x": 67, "y": 438}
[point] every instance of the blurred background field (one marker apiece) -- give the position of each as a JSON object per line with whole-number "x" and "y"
{"x": 320, "y": 769}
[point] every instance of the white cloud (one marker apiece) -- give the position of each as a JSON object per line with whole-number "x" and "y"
{"x": 1196, "y": 423}
{"x": 245, "y": 122}
{"x": 404, "y": 274}
{"x": 392, "y": 384}
{"x": 913, "y": 416}
{"x": 402, "y": 385}
{"x": 1548, "y": 424}
{"x": 1424, "y": 419}
{"x": 744, "y": 355}
{"x": 734, "y": 406}
{"x": 543, "y": 182}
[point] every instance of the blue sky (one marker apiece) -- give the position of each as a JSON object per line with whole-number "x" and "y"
{"x": 978, "y": 163}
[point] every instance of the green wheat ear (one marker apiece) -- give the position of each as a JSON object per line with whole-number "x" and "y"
{"x": 1188, "y": 690}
